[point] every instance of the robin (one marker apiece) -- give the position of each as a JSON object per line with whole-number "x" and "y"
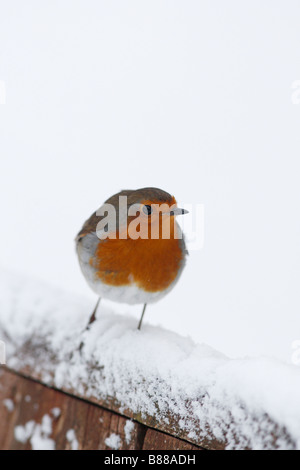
{"x": 132, "y": 249}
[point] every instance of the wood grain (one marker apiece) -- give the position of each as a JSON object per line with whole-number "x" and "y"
{"x": 92, "y": 424}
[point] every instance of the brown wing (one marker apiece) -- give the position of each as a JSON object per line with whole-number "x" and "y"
{"x": 91, "y": 223}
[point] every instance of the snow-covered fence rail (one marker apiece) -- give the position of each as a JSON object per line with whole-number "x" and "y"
{"x": 148, "y": 389}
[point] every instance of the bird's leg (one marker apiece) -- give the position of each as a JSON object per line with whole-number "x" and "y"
{"x": 141, "y": 320}
{"x": 91, "y": 320}
{"x": 93, "y": 316}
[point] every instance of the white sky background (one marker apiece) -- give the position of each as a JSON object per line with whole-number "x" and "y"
{"x": 193, "y": 97}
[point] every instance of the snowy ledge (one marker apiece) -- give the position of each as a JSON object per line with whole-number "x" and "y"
{"x": 154, "y": 376}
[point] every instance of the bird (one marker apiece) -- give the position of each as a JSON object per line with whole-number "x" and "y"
{"x": 132, "y": 249}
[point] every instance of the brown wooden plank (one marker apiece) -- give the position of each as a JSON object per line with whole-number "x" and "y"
{"x": 92, "y": 424}
{"x": 155, "y": 440}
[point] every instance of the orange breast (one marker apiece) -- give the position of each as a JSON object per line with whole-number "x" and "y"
{"x": 152, "y": 264}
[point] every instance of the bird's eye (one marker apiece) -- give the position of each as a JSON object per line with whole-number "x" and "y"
{"x": 147, "y": 209}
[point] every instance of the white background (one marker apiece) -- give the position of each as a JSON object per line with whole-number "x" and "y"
{"x": 190, "y": 96}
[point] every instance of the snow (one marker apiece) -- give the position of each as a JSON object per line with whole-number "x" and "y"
{"x": 128, "y": 428}
{"x": 113, "y": 441}
{"x": 40, "y": 439}
{"x": 23, "y": 433}
{"x": 71, "y": 438}
{"x": 9, "y": 404}
{"x": 38, "y": 434}
{"x": 56, "y": 412}
{"x": 2, "y": 352}
{"x": 150, "y": 372}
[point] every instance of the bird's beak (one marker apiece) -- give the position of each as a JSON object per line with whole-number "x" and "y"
{"x": 178, "y": 211}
